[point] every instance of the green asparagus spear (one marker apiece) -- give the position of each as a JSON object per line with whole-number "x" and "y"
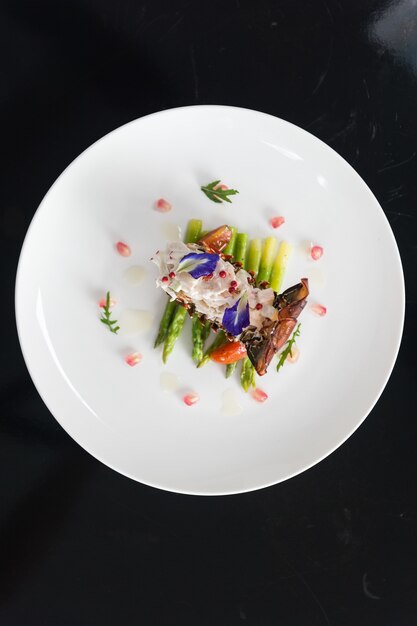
{"x": 240, "y": 248}
{"x": 198, "y": 343}
{"x": 239, "y": 254}
{"x": 200, "y": 333}
{"x": 280, "y": 265}
{"x": 174, "y": 328}
{"x": 219, "y": 340}
{"x": 193, "y": 232}
{"x": 247, "y": 374}
{"x": 229, "y": 249}
{"x": 165, "y": 322}
{"x": 174, "y": 331}
{"x": 254, "y": 256}
{"x": 206, "y": 331}
{"x": 230, "y": 368}
{"x": 267, "y": 258}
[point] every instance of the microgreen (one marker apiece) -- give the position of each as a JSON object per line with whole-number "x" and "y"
{"x": 214, "y": 192}
{"x": 105, "y": 318}
{"x": 288, "y": 350}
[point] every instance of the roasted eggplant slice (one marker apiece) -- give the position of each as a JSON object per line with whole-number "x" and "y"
{"x": 262, "y": 344}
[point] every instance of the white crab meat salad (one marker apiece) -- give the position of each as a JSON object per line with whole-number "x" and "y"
{"x": 220, "y": 292}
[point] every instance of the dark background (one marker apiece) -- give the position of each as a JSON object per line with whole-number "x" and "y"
{"x": 81, "y": 545}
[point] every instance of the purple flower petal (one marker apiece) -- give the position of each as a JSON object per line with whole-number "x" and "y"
{"x": 198, "y": 264}
{"x": 236, "y": 318}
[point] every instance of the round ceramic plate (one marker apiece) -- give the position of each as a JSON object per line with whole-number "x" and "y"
{"x": 124, "y": 415}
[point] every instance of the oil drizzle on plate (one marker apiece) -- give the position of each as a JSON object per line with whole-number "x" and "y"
{"x": 230, "y": 403}
{"x": 169, "y": 381}
{"x": 316, "y": 277}
{"x": 171, "y": 231}
{"x": 134, "y": 321}
{"x": 135, "y": 275}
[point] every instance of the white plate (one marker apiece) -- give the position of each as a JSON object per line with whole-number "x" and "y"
{"x": 120, "y": 414}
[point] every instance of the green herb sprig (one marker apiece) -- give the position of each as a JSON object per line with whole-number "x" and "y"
{"x": 105, "y": 318}
{"x": 218, "y": 195}
{"x": 288, "y": 350}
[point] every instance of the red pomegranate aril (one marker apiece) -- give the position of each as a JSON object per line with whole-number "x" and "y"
{"x": 318, "y": 309}
{"x": 208, "y": 277}
{"x": 276, "y": 222}
{"x": 133, "y": 359}
{"x": 259, "y": 306}
{"x": 164, "y": 279}
{"x": 316, "y": 252}
{"x": 259, "y": 395}
{"x": 232, "y": 290}
{"x": 233, "y": 283}
{"x": 171, "y": 274}
{"x": 222, "y": 274}
{"x": 123, "y": 249}
{"x": 163, "y": 205}
{"x": 191, "y": 398}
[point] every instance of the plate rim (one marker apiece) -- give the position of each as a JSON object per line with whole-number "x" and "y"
{"x": 390, "y": 367}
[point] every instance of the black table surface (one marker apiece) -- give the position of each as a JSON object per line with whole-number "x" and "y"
{"x": 82, "y": 545}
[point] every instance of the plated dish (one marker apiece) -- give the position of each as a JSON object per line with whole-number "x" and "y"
{"x": 135, "y": 419}
{"x": 232, "y": 289}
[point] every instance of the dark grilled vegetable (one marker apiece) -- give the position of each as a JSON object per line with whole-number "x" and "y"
{"x": 262, "y": 344}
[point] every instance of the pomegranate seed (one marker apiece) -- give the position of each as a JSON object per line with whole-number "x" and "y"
{"x": 163, "y": 205}
{"x": 222, "y": 274}
{"x": 191, "y": 398}
{"x": 102, "y": 303}
{"x": 259, "y": 395}
{"x": 233, "y": 283}
{"x": 293, "y": 358}
{"x": 171, "y": 274}
{"x": 133, "y": 359}
{"x": 318, "y": 309}
{"x": 164, "y": 279}
{"x": 123, "y": 249}
{"x": 259, "y": 306}
{"x": 316, "y": 252}
{"x": 232, "y": 290}
{"x": 208, "y": 277}
{"x": 276, "y": 222}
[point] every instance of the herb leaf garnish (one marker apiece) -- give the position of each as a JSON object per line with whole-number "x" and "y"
{"x": 105, "y": 318}
{"x": 218, "y": 195}
{"x": 288, "y": 350}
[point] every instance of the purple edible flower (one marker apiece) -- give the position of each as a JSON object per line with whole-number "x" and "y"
{"x": 198, "y": 264}
{"x": 236, "y": 318}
